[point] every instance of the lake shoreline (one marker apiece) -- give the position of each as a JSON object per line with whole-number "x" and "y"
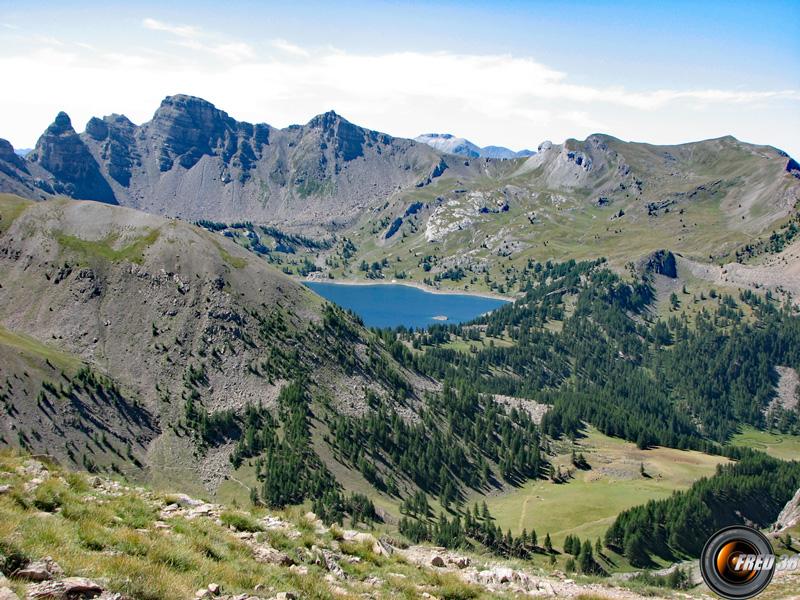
{"x": 413, "y": 284}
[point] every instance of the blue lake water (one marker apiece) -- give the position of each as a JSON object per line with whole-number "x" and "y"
{"x": 390, "y": 305}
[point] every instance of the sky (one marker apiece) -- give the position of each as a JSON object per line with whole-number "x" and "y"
{"x": 506, "y": 73}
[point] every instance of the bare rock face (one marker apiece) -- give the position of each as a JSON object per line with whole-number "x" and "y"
{"x": 347, "y": 139}
{"x": 790, "y": 515}
{"x": 7, "y": 155}
{"x": 61, "y": 151}
{"x": 661, "y": 262}
{"x": 20, "y": 176}
{"x": 7, "y": 593}
{"x": 184, "y": 129}
{"x": 40, "y": 570}
{"x": 117, "y": 151}
{"x": 194, "y": 161}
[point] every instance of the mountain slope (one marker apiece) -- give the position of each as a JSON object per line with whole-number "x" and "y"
{"x": 63, "y": 532}
{"x": 170, "y": 324}
{"x": 585, "y": 199}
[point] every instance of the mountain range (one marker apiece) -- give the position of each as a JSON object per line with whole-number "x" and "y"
{"x": 376, "y": 194}
{"x": 451, "y": 144}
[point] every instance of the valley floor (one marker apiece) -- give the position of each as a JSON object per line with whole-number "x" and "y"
{"x": 591, "y": 499}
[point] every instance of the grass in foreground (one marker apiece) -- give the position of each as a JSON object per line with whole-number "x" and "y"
{"x": 114, "y": 534}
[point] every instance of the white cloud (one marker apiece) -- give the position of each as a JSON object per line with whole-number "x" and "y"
{"x": 184, "y": 31}
{"x": 234, "y": 51}
{"x": 289, "y": 48}
{"x": 490, "y": 98}
{"x": 194, "y": 38}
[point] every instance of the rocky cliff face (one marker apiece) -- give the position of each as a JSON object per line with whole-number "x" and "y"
{"x": 62, "y": 152}
{"x": 790, "y": 515}
{"x": 194, "y": 161}
{"x": 19, "y": 176}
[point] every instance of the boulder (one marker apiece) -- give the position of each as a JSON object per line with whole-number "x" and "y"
{"x": 437, "y": 561}
{"x": 81, "y": 585}
{"x": 64, "y": 589}
{"x": 185, "y": 501}
{"x": 271, "y": 556}
{"x": 6, "y": 593}
{"x": 40, "y": 570}
{"x": 382, "y": 548}
{"x": 504, "y": 574}
{"x": 359, "y": 537}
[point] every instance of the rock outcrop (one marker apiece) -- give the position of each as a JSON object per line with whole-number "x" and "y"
{"x": 790, "y": 515}
{"x": 62, "y": 152}
{"x": 660, "y": 262}
{"x": 194, "y": 161}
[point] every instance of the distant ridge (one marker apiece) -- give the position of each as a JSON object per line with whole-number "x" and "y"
{"x": 446, "y": 142}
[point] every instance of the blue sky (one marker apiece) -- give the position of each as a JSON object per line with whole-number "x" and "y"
{"x": 510, "y": 73}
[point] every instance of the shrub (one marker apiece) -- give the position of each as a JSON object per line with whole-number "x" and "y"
{"x": 240, "y": 522}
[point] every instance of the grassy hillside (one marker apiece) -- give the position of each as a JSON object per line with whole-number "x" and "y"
{"x": 780, "y": 445}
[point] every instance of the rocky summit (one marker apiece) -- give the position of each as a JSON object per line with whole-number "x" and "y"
{"x": 195, "y": 161}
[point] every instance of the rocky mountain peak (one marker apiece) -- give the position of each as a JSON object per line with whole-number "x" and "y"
{"x": 181, "y": 111}
{"x": 447, "y": 142}
{"x": 327, "y": 120}
{"x": 62, "y": 152}
{"x": 100, "y": 129}
{"x": 186, "y": 128}
{"x": 61, "y": 124}
{"x": 7, "y": 152}
{"x": 347, "y": 139}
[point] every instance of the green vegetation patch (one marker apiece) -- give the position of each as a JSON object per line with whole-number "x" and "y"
{"x": 104, "y": 248}
{"x": 11, "y": 207}
{"x": 237, "y": 262}
{"x": 35, "y": 349}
